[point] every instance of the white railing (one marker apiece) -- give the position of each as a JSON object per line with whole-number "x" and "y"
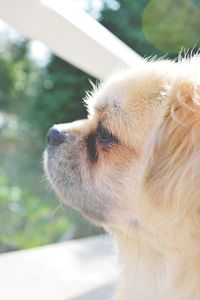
{"x": 70, "y": 33}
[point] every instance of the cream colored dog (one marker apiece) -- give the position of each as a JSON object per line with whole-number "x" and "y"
{"x": 133, "y": 167}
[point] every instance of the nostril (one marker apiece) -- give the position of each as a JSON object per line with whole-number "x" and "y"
{"x": 55, "y": 137}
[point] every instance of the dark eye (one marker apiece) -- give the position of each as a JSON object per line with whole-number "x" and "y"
{"x": 104, "y": 136}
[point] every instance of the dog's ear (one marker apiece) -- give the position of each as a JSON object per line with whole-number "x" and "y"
{"x": 172, "y": 173}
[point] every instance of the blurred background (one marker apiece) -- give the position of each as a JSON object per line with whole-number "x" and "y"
{"x": 38, "y": 89}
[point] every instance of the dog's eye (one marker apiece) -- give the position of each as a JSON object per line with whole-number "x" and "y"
{"x": 104, "y": 136}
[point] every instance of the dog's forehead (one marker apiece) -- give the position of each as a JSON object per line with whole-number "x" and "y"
{"x": 109, "y": 94}
{"x": 128, "y": 89}
{"x": 112, "y": 94}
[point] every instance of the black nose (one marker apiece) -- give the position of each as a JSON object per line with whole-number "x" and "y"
{"x": 55, "y": 137}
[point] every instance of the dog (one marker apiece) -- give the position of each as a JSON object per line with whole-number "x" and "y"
{"x": 133, "y": 167}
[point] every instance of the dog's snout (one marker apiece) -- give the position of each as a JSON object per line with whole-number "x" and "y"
{"x": 55, "y": 137}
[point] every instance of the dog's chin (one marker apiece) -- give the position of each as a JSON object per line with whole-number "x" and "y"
{"x": 97, "y": 216}
{"x": 75, "y": 196}
{"x": 95, "y": 204}
{"x": 94, "y": 217}
{"x": 110, "y": 220}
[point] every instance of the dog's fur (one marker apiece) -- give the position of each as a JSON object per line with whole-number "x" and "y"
{"x": 144, "y": 187}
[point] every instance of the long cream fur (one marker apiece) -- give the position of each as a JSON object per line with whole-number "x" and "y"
{"x": 144, "y": 188}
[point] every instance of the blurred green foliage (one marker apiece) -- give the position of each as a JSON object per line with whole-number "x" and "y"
{"x": 25, "y": 222}
{"x": 33, "y": 98}
{"x": 155, "y": 27}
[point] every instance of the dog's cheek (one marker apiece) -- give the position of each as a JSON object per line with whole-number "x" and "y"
{"x": 117, "y": 156}
{"x": 116, "y": 176}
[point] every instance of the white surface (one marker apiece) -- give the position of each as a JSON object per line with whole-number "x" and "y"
{"x": 70, "y": 33}
{"x": 80, "y": 270}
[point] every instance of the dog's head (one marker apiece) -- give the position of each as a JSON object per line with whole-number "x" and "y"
{"x": 137, "y": 151}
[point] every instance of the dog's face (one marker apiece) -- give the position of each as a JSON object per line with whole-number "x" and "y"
{"x": 101, "y": 166}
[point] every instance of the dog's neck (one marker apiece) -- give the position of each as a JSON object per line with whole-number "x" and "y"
{"x": 159, "y": 266}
